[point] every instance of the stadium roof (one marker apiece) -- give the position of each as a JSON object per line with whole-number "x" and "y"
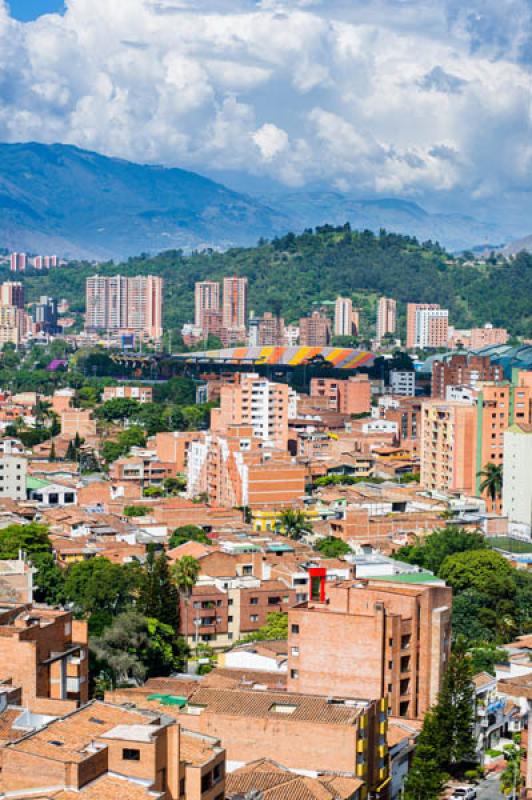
{"x": 338, "y": 357}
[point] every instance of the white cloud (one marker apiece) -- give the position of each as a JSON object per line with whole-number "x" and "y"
{"x": 371, "y": 96}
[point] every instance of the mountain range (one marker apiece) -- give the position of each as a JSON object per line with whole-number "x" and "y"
{"x": 79, "y": 204}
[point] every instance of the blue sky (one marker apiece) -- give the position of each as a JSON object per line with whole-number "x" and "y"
{"x": 423, "y": 99}
{"x": 25, "y": 10}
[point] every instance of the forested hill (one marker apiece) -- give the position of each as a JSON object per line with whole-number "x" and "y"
{"x": 289, "y": 274}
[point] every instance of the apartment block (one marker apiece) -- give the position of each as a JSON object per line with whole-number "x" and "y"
{"x": 345, "y": 318}
{"x": 517, "y": 484}
{"x": 172, "y": 447}
{"x": 106, "y": 751}
{"x": 315, "y": 331}
{"x": 14, "y": 325}
{"x": 13, "y": 473}
{"x": 477, "y": 338}
{"x": 235, "y": 304}
{"x": 386, "y": 317}
{"x": 45, "y": 653}
{"x": 426, "y": 325}
{"x": 270, "y": 330}
{"x": 263, "y": 724}
{"x": 258, "y": 402}
{"x": 351, "y": 396}
{"x": 463, "y": 370}
{"x": 403, "y": 383}
{"x": 375, "y": 639}
{"x": 77, "y": 420}
{"x": 232, "y": 470}
{"x": 206, "y": 298}
{"x": 12, "y": 294}
{"x": 447, "y": 456}
{"x": 125, "y": 304}
{"x": 17, "y": 262}
{"x": 140, "y": 393}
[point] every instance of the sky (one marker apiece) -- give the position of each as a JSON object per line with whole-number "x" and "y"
{"x": 426, "y": 99}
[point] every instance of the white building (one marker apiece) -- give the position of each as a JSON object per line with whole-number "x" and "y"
{"x": 431, "y": 327}
{"x": 343, "y": 317}
{"x": 403, "y": 382}
{"x": 517, "y": 483}
{"x": 13, "y": 470}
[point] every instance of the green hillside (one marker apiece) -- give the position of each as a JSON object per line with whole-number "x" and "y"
{"x": 289, "y": 274}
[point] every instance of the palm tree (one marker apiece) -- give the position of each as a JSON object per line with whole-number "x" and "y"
{"x": 294, "y": 523}
{"x": 185, "y": 573}
{"x": 492, "y": 480}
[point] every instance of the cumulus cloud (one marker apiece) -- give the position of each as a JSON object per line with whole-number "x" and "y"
{"x": 375, "y": 96}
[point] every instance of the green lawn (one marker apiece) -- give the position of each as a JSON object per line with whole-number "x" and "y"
{"x": 509, "y": 544}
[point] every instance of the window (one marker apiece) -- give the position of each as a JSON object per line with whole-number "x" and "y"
{"x": 283, "y": 708}
{"x": 229, "y": 619}
{"x": 217, "y": 773}
{"x": 254, "y": 617}
{"x": 254, "y": 601}
{"x": 130, "y": 754}
{"x": 294, "y": 673}
{"x": 247, "y": 569}
{"x": 206, "y": 782}
{"x": 294, "y": 628}
{"x": 295, "y": 651}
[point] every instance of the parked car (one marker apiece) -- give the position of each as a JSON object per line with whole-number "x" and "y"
{"x": 464, "y": 793}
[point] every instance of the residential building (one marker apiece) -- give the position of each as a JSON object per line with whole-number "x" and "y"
{"x": 78, "y": 421}
{"x": 270, "y": 330}
{"x": 141, "y": 470}
{"x": 231, "y": 468}
{"x": 278, "y": 782}
{"x": 13, "y": 471}
{"x": 426, "y": 325}
{"x": 12, "y": 294}
{"x": 463, "y": 370}
{"x": 376, "y": 639}
{"x": 125, "y": 304}
{"x": 315, "y": 331}
{"x": 44, "y": 314}
{"x": 344, "y": 323}
{"x": 517, "y": 483}
{"x": 104, "y": 751}
{"x": 16, "y": 582}
{"x": 262, "y": 724}
{"x": 351, "y": 396}
{"x": 206, "y": 298}
{"x": 139, "y": 392}
{"x": 14, "y": 325}
{"x": 45, "y": 652}
{"x": 235, "y": 302}
{"x": 258, "y": 402}
{"x": 446, "y": 446}
{"x": 18, "y": 262}
{"x": 172, "y": 447}
{"x": 477, "y": 338}
{"x": 386, "y": 317}
{"x": 403, "y": 382}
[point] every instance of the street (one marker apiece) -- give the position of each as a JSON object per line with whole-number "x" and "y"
{"x": 489, "y": 789}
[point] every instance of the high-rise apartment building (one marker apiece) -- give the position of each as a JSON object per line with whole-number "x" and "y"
{"x": 235, "y": 301}
{"x": 270, "y": 330}
{"x": 18, "y": 262}
{"x": 517, "y": 484}
{"x": 351, "y": 396}
{"x": 44, "y": 314}
{"x": 426, "y": 325}
{"x": 459, "y": 438}
{"x": 375, "y": 640}
{"x": 12, "y": 294}
{"x": 257, "y": 402}
{"x": 118, "y": 303}
{"x": 14, "y": 325}
{"x": 463, "y": 370}
{"x": 206, "y": 298}
{"x": 315, "y": 331}
{"x": 386, "y": 317}
{"x": 343, "y": 317}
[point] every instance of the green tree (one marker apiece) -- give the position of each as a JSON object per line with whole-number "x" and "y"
{"x": 158, "y": 595}
{"x": 491, "y": 482}
{"x": 135, "y": 511}
{"x": 484, "y": 657}
{"x": 332, "y": 547}
{"x": 119, "y": 408}
{"x": 132, "y": 437}
{"x": 454, "y": 713}
{"x": 185, "y": 573}
{"x": 100, "y": 589}
{"x": 439, "y": 545}
{"x": 294, "y": 523}
{"x": 118, "y": 650}
{"x": 30, "y": 539}
{"x": 426, "y": 778}
{"x": 188, "y": 533}
{"x": 276, "y": 628}
{"x": 174, "y": 485}
{"x": 49, "y": 580}
{"x": 511, "y": 779}
{"x": 484, "y": 570}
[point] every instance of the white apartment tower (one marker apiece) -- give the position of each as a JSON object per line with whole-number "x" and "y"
{"x": 386, "y": 317}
